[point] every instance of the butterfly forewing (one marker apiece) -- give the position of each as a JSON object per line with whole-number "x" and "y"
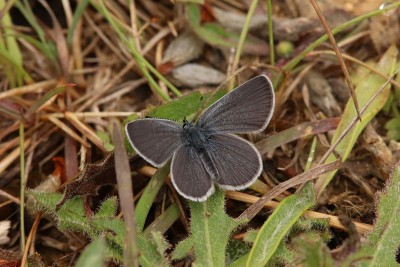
{"x": 237, "y": 161}
{"x": 154, "y": 139}
{"x": 189, "y": 175}
{"x": 248, "y": 108}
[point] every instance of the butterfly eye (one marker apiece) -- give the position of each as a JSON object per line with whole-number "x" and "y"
{"x": 185, "y": 123}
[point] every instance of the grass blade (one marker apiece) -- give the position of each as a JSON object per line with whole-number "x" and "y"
{"x": 149, "y": 194}
{"x": 77, "y": 16}
{"x": 364, "y": 91}
{"x": 278, "y": 224}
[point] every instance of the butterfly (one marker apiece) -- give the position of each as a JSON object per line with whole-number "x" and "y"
{"x": 206, "y": 152}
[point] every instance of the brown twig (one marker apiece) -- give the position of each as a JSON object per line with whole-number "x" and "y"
{"x": 29, "y": 239}
{"x": 362, "y": 228}
{"x": 339, "y": 56}
{"x": 299, "y": 179}
{"x": 125, "y": 192}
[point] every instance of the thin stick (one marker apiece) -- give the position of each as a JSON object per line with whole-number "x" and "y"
{"x": 23, "y": 183}
{"x": 243, "y": 35}
{"x": 31, "y": 88}
{"x": 84, "y": 129}
{"x": 271, "y": 34}
{"x": 10, "y": 197}
{"x": 333, "y": 220}
{"x": 84, "y": 115}
{"x": 315, "y": 172}
{"x": 339, "y": 56}
{"x": 67, "y": 130}
{"x": 30, "y": 237}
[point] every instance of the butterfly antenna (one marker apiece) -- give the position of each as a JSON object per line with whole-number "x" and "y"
{"x": 199, "y": 109}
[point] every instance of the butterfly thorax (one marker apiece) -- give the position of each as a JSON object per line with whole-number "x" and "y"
{"x": 201, "y": 140}
{"x": 194, "y": 136}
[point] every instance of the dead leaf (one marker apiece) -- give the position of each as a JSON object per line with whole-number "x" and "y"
{"x": 321, "y": 93}
{"x": 385, "y": 31}
{"x": 194, "y": 75}
{"x": 186, "y": 47}
{"x": 94, "y": 175}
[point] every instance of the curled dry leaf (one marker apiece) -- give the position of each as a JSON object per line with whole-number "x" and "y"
{"x": 194, "y": 75}
{"x": 235, "y": 21}
{"x": 292, "y": 29}
{"x": 321, "y": 93}
{"x": 186, "y": 47}
{"x": 288, "y": 29}
{"x": 333, "y": 12}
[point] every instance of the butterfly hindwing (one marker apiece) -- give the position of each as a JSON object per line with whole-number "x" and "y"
{"x": 189, "y": 176}
{"x": 237, "y": 161}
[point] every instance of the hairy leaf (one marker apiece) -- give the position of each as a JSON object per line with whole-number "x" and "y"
{"x": 210, "y": 230}
{"x": 72, "y": 216}
{"x": 384, "y": 240}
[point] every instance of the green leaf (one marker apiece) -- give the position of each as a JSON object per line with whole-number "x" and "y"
{"x": 48, "y": 49}
{"x": 278, "y": 224}
{"x": 105, "y": 137}
{"x": 179, "y": 108}
{"x": 165, "y": 220}
{"x": 77, "y": 16}
{"x": 384, "y": 240}
{"x": 149, "y": 194}
{"x": 46, "y": 98}
{"x": 313, "y": 252}
{"x": 210, "y": 230}
{"x": 12, "y": 68}
{"x": 182, "y": 249}
{"x": 185, "y": 106}
{"x": 93, "y": 255}
{"x": 393, "y": 128}
{"x": 235, "y": 250}
{"x": 364, "y": 92}
{"x": 25, "y": 8}
{"x": 10, "y": 47}
{"x": 72, "y": 216}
